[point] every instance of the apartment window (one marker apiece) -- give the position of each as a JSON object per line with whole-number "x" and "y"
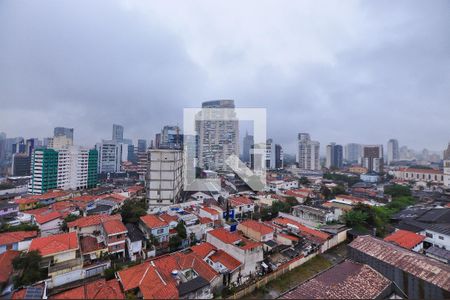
{"x": 119, "y": 236}
{"x": 429, "y": 235}
{"x": 441, "y": 237}
{"x": 160, "y": 231}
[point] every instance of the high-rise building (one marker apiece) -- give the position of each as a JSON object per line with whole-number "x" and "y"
{"x": 44, "y": 173}
{"x": 164, "y": 176}
{"x": 63, "y": 131}
{"x": 246, "y": 146}
{"x": 21, "y": 164}
{"x": 447, "y": 153}
{"x": 109, "y": 156}
{"x": 308, "y": 153}
{"x": 447, "y": 173}
{"x": 2, "y": 147}
{"x": 117, "y": 133}
{"x": 372, "y": 158}
{"x": 334, "y": 156}
{"x": 279, "y": 157}
{"x": 218, "y": 129}
{"x": 76, "y": 169}
{"x": 169, "y": 138}
{"x": 393, "y": 151}
{"x": 352, "y": 152}
{"x": 142, "y": 146}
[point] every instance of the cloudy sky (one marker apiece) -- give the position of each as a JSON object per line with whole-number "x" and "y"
{"x": 344, "y": 71}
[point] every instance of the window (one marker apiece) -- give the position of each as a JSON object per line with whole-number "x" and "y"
{"x": 160, "y": 231}
{"x": 441, "y": 237}
{"x": 429, "y": 235}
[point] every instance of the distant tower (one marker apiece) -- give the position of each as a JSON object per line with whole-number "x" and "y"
{"x": 393, "y": 152}
{"x": 117, "y": 133}
{"x": 334, "y": 156}
{"x": 308, "y": 153}
{"x": 447, "y": 153}
{"x": 247, "y": 145}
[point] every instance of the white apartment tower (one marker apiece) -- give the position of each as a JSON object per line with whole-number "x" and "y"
{"x": 109, "y": 156}
{"x": 164, "y": 179}
{"x": 218, "y": 131}
{"x": 308, "y": 153}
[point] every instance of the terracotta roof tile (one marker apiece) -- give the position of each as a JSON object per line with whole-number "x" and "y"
{"x": 47, "y": 217}
{"x": 93, "y": 220}
{"x": 225, "y": 259}
{"x": 168, "y": 218}
{"x": 98, "y": 289}
{"x": 153, "y": 221}
{"x": 239, "y": 201}
{"x": 90, "y": 244}
{"x": 7, "y": 238}
{"x": 210, "y": 210}
{"x": 225, "y": 236}
{"x": 405, "y": 239}
{"x": 203, "y": 249}
{"x": 114, "y": 227}
{"x": 53, "y": 244}
{"x": 302, "y": 228}
{"x": 6, "y": 267}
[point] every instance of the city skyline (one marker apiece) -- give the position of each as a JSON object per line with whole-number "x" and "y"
{"x": 366, "y": 75}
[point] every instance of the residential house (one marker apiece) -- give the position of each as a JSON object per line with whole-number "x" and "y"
{"x": 48, "y": 221}
{"x": 60, "y": 256}
{"x": 136, "y": 242}
{"x": 208, "y": 212}
{"x": 6, "y": 268}
{"x": 115, "y": 237}
{"x": 175, "y": 276}
{"x": 154, "y": 226}
{"x": 406, "y": 239}
{"x": 257, "y": 231}
{"x": 248, "y": 252}
{"x": 316, "y": 215}
{"x": 98, "y": 289}
{"x": 300, "y": 194}
{"x": 222, "y": 262}
{"x": 242, "y": 206}
{"x": 8, "y": 210}
{"x": 18, "y": 240}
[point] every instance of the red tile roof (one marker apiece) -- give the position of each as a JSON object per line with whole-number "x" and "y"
{"x": 256, "y": 226}
{"x": 93, "y": 220}
{"x": 145, "y": 277}
{"x": 225, "y": 259}
{"x": 28, "y": 200}
{"x": 85, "y": 198}
{"x": 135, "y": 188}
{"x": 205, "y": 220}
{"x": 98, "y": 289}
{"x": 203, "y": 249}
{"x": 53, "y": 244}
{"x": 47, "y": 217}
{"x": 210, "y": 210}
{"x": 114, "y": 197}
{"x": 405, "y": 239}
{"x": 153, "y": 221}
{"x": 7, "y": 238}
{"x": 6, "y": 259}
{"x": 425, "y": 171}
{"x": 299, "y": 192}
{"x": 302, "y": 228}
{"x": 168, "y": 218}
{"x": 239, "y": 201}
{"x": 225, "y": 236}
{"x": 114, "y": 227}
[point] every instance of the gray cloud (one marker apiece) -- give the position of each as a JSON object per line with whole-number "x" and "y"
{"x": 359, "y": 71}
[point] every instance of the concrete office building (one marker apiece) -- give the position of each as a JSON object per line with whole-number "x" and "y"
{"x": 393, "y": 152}
{"x": 142, "y": 146}
{"x": 334, "y": 156}
{"x": 170, "y": 138}
{"x": 273, "y": 155}
{"x": 117, "y": 133}
{"x": 164, "y": 179}
{"x": 21, "y": 164}
{"x": 372, "y": 158}
{"x": 109, "y": 156}
{"x": 308, "y": 153}
{"x": 352, "y": 152}
{"x": 247, "y": 145}
{"x": 218, "y": 139}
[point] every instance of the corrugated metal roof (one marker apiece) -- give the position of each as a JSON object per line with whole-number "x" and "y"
{"x": 416, "y": 264}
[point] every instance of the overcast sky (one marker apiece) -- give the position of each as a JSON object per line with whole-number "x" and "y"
{"x": 344, "y": 71}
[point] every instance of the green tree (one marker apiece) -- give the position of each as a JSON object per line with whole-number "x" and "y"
{"x": 28, "y": 267}
{"x": 174, "y": 242}
{"x": 355, "y": 218}
{"x": 304, "y": 180}
{"x": 181, "y": 230}
{"x": 21, "y": 227}
{"x": 338, "y": 190}
{"x": 397, "y": 190}
{"x": 132, "y": 210}
{"x": 325, "y": 191}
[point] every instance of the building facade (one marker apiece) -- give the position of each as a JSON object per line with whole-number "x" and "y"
{"x": 352, "y": 152}
{"x": 164, "y": 176}
{"x": 393, "y": 151}
{"x": 308, "y": 153}
{"x": 372, "y": 158}
{"x": 246, "y": 146}
{"x": 117, "y": 133}
{"x": 334, "y": 156}
{"x": 218, "y": 131}
{"x": 44, "y": 171}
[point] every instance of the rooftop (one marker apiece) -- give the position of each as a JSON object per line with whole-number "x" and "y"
{"x": 257, "y": 226}
{"x": 53, "y": 244}
{"x": 90, "y": 244}
{"x": 98, "y": 289}
{"x": 405, "y": 239}
{"x": 6, "y": 259}
{"x": 93, "y": 220}
{"x": 203, "y": 249}
{"x": 225, "y": 259}
{"x": 7, "y": 238}
{"x": 302, "y": 228}
{"x": 347, "y": 280}
{"x": 134, "y": 233}
{"x": 420, "y": 266}
{"x": 153, "y": 221}
{"x": 114, "y": 227}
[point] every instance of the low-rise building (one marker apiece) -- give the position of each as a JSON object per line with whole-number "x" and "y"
{"x": 315, "y": 215}
{"x": 156, "y": 227}
{"x": 249, "y": 253}
{"x": 136, "y": 242}
{"x": 18, "y": 240}
{"x": 256, "y": 230}
{"x": 414, "y": 174}
{"x": 98, "y": 289}
{"x": 406, "y": 239}
{"x": 242, "y": 206}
